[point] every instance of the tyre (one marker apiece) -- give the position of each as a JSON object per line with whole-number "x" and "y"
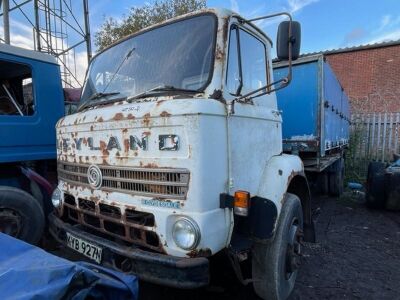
{"x": 275, "y": 265}
{"x": 21, "y": 215}
{"x": 323, "y": 183}
{"x": 392, "y": 188}
{"x": 375, "y": 190}
{"x": 336, "y": 178}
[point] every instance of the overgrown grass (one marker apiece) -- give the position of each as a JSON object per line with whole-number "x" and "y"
{"x": 355, "y": 165}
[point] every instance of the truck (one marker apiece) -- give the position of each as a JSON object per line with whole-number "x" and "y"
{"x": 175, "y": 157}
{"x": 31, "y": 102}
{"x": 316, "y": 120}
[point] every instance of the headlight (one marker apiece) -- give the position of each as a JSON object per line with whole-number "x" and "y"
{"x": 56, "y": 198}
{"x": 186, "y": 233}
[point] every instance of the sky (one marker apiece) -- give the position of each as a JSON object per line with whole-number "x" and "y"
{"x": 326, "y": 24}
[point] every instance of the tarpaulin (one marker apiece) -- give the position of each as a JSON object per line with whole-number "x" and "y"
{"x": 28, "y": 272}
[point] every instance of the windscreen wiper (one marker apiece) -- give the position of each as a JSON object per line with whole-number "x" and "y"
{"x": 162, "y": 88}
{"x": 101, "y": 95}
{"x": 95, "y": 96}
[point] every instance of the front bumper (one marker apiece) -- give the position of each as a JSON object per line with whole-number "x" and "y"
{"x": 149, "y": 266}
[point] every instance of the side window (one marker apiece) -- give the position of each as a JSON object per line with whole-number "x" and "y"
{"x": 233, "y": 80}
{"x": 254, "y": 65}
{"x": 16, "y": 89}
{"x": 247, "y": 65}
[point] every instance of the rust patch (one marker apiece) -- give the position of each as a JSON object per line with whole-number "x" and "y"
{"x": 146, "y": 120}
{"x": 126, "y": 145}
{"x": 130, "y": 207}
{"x": 165, "y": 114}
{"x": 159, "y": 102}
{"x": 146, "y": 133}
{"x": 125, "y": 130}
{"x": 100, "y": 119}
{"x": 219, "y": 54}
{"x": 199, "y": 253}
{"x": 103, "y": 148}
{"x": 149, "y": 165}
{"x": 94, "y": 199}
{"x": 130, "y": 117}
{"x": 118, "y": 117}
{"x": 225, "y": 30}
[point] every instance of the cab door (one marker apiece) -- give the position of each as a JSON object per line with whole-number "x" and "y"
{"x": 254, "y": 127}
{"x": 31, "y": 102}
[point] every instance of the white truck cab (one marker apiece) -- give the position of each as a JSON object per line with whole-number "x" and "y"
{"x": 176, "y": 155}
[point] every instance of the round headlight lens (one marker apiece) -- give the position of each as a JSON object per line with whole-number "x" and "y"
{"x": 56, "y": 198}
{"x": 186, "y": 233}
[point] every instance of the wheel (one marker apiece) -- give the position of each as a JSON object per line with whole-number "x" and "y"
{"x": 336, "y": 178}
{"x": 375, "y": 190}
{"x": 392, "y": 188}
{"x": 21, "y": 216}
{"x": 323, "y": 183}
{"x": 275, "y": 265}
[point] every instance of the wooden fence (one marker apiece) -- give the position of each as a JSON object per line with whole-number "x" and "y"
{"x": 373, "y": 136}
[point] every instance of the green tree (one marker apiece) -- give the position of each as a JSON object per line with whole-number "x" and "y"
{"x": 141, "y": 17}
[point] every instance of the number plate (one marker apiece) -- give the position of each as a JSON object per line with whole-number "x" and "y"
{"x": 88, "y": 249}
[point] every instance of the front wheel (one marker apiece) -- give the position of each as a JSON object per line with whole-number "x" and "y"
{"x": 275, "y": 265}
{"x": 21, "y": 215}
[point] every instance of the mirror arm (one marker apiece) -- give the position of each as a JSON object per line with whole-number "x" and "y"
{"x": 286, "y": 80}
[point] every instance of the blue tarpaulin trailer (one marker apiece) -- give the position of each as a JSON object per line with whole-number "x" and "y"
{"x": 27, "y": 272}
{"x": 315, "y": 112}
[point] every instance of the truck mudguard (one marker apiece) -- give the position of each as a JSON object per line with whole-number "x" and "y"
{"x": 281, "y": 176}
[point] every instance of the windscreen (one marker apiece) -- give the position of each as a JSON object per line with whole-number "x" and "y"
{"x": 178, "y": 54}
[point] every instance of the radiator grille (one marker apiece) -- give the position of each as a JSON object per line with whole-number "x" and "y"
{"x": 129, "y": 225}
{"x": 154, "y": 182}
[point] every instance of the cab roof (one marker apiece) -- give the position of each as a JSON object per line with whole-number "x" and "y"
{"x": 31, "y": 54}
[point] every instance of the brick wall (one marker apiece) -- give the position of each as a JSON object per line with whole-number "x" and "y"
{"x": 370, "y": 77}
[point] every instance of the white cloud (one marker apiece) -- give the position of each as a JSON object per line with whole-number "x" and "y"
{"x": 386, "y": 37}
{"x": 81, "y": 65}
{"x": 21, "y": 41}
{"x": 385, "y": 21}
{"x": 388, "y": 30}
{"x": 20, "y": 34}
{"x": 235, "y": 6}
{"x": 297, "y": 5}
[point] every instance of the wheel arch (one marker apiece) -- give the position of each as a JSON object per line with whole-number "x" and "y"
{"x": 26, "y": 179}
{"x": 285, "y": 174}
{"x": 298, "y": 186}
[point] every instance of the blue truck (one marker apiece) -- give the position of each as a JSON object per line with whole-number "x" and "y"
{"x": 31, "y": 102}
{"x": 316, "y": 119}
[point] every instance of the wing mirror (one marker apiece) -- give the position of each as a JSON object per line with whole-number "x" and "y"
{"x": 288, "y": 40}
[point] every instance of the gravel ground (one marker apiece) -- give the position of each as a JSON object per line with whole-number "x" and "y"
{"x": 357, "y": 256}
